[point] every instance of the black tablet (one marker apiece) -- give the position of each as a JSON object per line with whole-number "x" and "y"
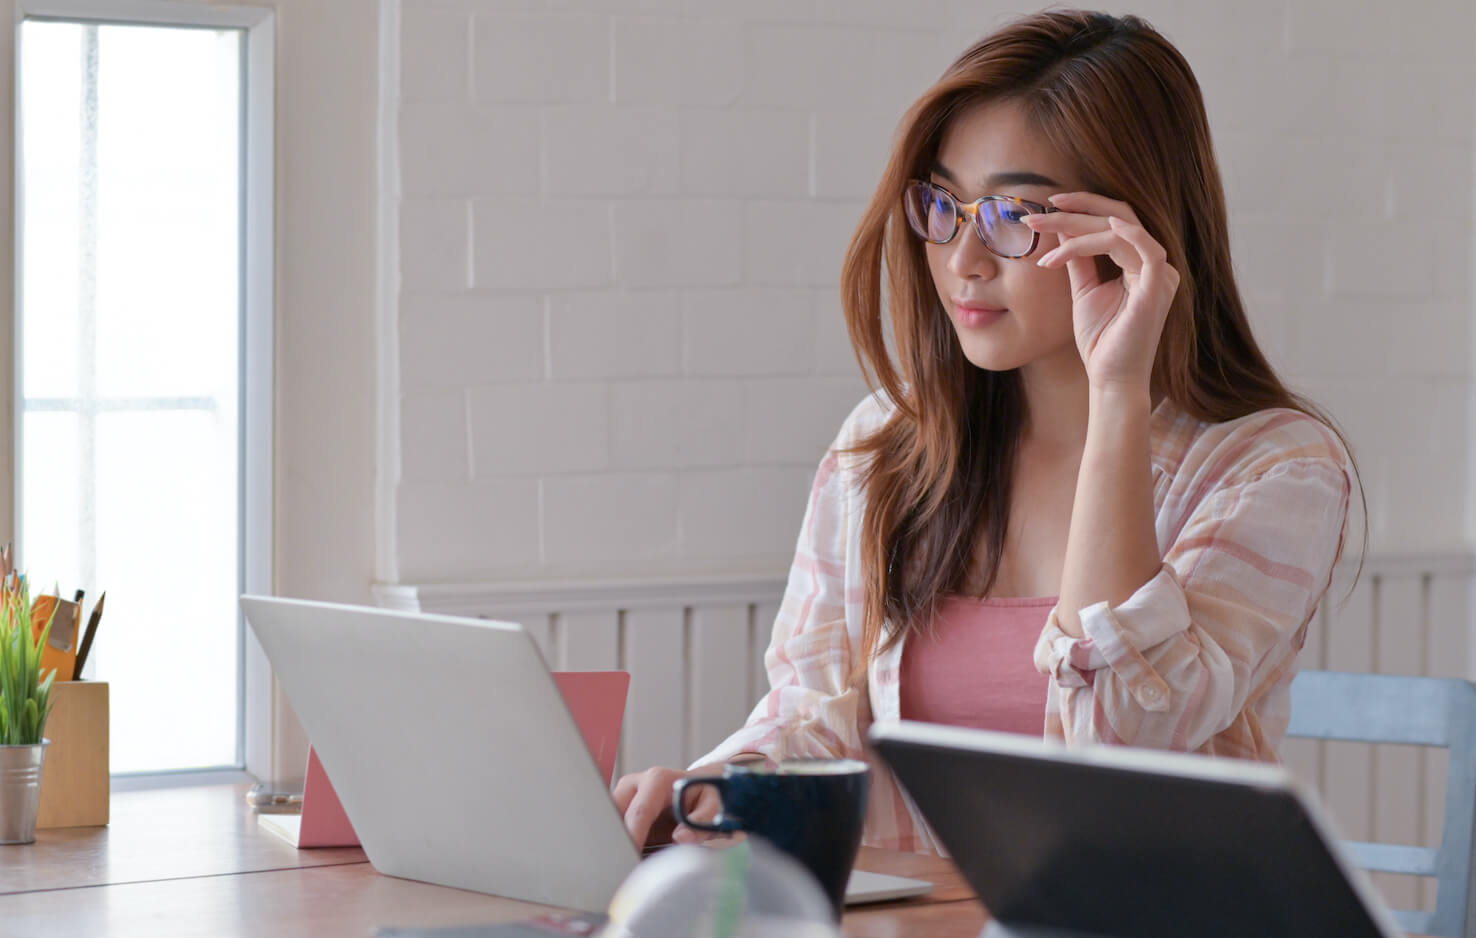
{"x": 1112, "y": 842}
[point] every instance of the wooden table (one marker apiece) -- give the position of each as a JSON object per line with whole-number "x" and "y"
{"x": 193, "y": 862}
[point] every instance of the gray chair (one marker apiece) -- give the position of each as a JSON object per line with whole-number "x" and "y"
{"x": 1424, "y": 711}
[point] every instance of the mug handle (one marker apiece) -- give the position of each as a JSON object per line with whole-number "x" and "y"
{"x": 722, "y": 824}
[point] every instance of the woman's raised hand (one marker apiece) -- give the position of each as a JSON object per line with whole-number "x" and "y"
{"x": 1118, "y": 322}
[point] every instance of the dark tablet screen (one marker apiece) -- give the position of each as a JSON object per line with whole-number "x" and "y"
{"x": 1128, "y": 853}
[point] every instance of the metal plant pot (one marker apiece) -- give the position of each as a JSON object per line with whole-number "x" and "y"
{"x": 20, "y": 791}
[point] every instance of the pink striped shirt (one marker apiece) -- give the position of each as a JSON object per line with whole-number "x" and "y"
{"x": 977, "y": 666}
{"x": 1249, "y": 516}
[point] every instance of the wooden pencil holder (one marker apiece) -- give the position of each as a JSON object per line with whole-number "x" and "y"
{"x": 74, "y": 780}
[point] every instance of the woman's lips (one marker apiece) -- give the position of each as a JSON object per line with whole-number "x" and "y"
{"x": 975, "y": 315}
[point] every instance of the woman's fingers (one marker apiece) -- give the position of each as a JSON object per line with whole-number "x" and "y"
{"x": 1130, "y": 246}
{"x": 1135, "y": 234}
{"x": 644, "y": 802}
{"x": 702, "y": 803}
{"x": 704, "y": 807}
{"x": 644, "y": 799}
{"x": 1089, "y": 203}
{"x": 1158, "y": 276}
{"x": 1124, "y": 253}
{"x": 1103, "y": 242}
{"x": 1071, "y": 224}
{"x": 1082, "y": 271}
{"x": 644, "y": 811}
{"x": 1128, "y": 243}
{"x": 625, "y": 790}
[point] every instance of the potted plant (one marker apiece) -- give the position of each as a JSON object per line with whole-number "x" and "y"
{"x": 25, "y": 702}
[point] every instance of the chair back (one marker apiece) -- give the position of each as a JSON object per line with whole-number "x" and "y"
{"x": 1422, "y": 711}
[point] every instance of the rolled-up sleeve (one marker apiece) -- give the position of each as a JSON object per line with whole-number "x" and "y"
{"x": 1175, "y": 664}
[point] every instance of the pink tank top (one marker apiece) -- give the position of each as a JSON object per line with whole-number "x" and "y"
{"x": 977, "y": 668}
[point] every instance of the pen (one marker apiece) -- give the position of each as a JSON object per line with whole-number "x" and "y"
{"x": 87, "y": 636}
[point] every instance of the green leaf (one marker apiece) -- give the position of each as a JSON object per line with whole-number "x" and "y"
{"x": 25, "y": 696}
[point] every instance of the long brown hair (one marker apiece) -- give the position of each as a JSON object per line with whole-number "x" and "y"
{"x": 1114, "y": 95}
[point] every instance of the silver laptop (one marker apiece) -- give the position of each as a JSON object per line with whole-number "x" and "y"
{"x": 1112, "y": 842}
{"x": 454, "y": 755}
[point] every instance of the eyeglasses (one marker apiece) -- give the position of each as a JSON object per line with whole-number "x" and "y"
{"x": 935, "y": 214}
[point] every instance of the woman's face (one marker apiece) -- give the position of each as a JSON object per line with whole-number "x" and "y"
{"x": 1007, "y": 312}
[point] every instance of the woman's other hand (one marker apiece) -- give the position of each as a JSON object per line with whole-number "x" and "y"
{"x": 644, "y": 800}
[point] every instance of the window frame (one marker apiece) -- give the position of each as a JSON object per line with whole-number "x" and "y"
{"x": 254, "y": 743}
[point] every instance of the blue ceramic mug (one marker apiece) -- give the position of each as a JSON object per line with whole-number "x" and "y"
{"x": 812, "y": 809}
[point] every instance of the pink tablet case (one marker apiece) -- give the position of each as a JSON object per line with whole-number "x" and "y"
{"x": 324, "y": 823}
{"x": 596, "y": 700}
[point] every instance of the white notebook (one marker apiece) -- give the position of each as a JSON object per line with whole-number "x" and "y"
{"x": 286, "y": 826}
{"x": 864, "y": 887}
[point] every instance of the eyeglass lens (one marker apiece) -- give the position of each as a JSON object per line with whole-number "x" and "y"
{"x": 933, "y": 215}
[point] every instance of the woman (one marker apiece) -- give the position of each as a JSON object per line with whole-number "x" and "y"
{"x": 1081, "y": 503}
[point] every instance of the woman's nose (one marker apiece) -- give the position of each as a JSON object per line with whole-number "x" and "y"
{"x": 969, "y": 259}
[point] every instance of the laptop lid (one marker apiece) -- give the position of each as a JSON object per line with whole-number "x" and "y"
{"x": 1128, "y": 843}
{"x": 451, "y": 749}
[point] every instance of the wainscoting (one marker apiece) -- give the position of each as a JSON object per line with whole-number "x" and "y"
{"x": 694, "y": 648}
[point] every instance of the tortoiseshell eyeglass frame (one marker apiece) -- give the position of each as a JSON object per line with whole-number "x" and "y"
{"x": 971, "y": 209}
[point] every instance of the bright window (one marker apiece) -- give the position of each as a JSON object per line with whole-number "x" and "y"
{"x": 134, "y": 325}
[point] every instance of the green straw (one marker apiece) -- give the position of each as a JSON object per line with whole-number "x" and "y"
{"x": 732, "y": 891}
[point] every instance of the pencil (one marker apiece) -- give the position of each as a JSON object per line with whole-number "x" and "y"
{"x": 87, "y": 636}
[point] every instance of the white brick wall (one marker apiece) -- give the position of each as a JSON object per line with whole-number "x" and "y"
{"x": 539, "y": 428}
{"x": 741, "y": 514}
{"x": 785, "y": 417}
{"x": 672, "y": 61}
{"x": 587, "y": 519}
{"x": 434, "y": 443}
{"x": 677, "y": 424}
{"x": 608, "y": 334}
{"x": 457, "y": 340}
{"x": 435, "y": 239}
{"x": 754, "y": 331}
{"x": 596, "y": 150}
{"x": 621, "y": 223}
{"x": 523, "y": 243}
{"x": 678, "y": 242}
{"x": 435, "y": 39}
{"x": 745, "y": 153}
{"x": 469, "y": 531}
{"x": 496, "y": 151}
{"x": 538, "y": 58}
